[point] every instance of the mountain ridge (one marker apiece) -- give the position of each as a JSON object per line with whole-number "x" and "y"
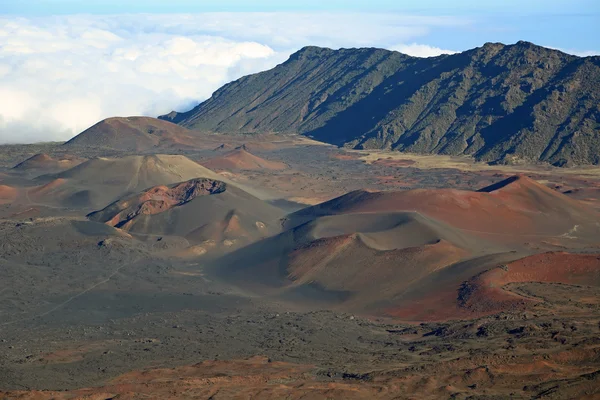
{"x": 498, "y": 103}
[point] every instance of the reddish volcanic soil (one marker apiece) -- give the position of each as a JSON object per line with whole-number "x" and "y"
{"x": 199, "y": 211}
{"x": 590, "y": 196}
{"x": 344, "y": 264}
{"x": 241, "y": 158}
{"x": 255, "y": 378}
{"x": 566, "y": 374}
{"x": 417, "y": 293}
{"x": 7, "y": 194}
{"x": 40, "y": 191}
{"x": 487, "y": 293}
{"x": 45, "y": 162}
{"x": 517, "y": 206}
{"x": 100, "y": 181}
{"x": 162, "y": 198}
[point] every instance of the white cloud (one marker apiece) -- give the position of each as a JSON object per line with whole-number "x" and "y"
{"x": 579, "y": 53}
{"x": 588, "y": 53}
{"x": 420, "y": 50}
{"x": 60, "y": 75}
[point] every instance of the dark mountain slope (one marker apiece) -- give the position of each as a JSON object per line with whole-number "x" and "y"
{"x": 498, "y": 103}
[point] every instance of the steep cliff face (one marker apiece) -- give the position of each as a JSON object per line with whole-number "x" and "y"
{"x": 498, "y": 103}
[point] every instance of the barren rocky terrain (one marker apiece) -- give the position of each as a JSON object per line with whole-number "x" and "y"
{"x": 273, "y": 266}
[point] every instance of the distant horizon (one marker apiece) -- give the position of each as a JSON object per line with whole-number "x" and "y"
{"x": 457, "y": 52}
{"x": 194, "y": 104}
{"x": 65, "y": 64}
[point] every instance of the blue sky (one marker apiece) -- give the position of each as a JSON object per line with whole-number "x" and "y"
{"x": 66, "y": 64}
{"x": 572, "y": 25}
{"x": 135, "y": 6}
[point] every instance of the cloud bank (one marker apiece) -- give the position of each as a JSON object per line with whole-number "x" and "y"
{"x": 421, "y": 50}
{"x": 60, "y": 75}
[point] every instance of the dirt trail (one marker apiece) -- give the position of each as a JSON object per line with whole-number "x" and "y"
{"x": 70, "y": 299}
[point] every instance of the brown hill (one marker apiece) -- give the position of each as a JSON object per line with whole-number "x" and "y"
{"x": 241, "y": 158}
{"x": 498, "y": 103}
{"x": 100, "y": 181}
{"x": 7, "y": 194}
{"x": 453, "y": 294}
{"x": 204, "y": 211}
{"x": 513, "y": 207}
{"x": 47, "y": 163}
{"x": 354, "y": 261}
{"x": 487, "y": 293}
{"x": 135, "y": 134}
{"x": 407, "y": 253}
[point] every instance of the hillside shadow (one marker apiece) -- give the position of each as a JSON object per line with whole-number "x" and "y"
{"x": 364, "y": 115}
{"x": 522, "y": 117}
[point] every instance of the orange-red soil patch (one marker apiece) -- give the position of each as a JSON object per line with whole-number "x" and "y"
{"x": 7, "y": 194}
{"x": 162, "y": 198}
{"x": 518, "y": 206}
{"x": 486, "y": 294}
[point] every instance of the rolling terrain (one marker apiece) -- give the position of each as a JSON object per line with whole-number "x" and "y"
{"x": 294, "y": 269}
{"x": 206, "y": 212}
{"x": 376, "y": 253}
{"x": 95, "y": 183}
{"x": 43, "y": 163}
{"x": 499, "y": 103}
{"x": 517, "y": 201}
{"x": 181, "y": 277}
{"x": 99, "y": 181}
